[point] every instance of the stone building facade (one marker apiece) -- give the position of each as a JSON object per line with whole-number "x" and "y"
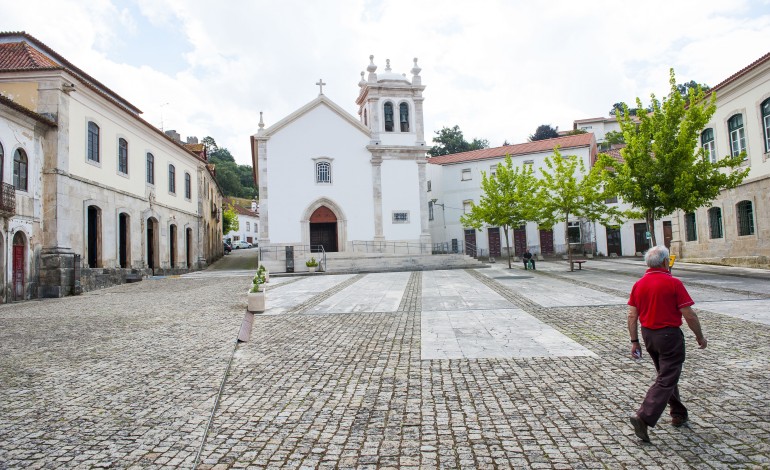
{"x": 110, "y": 197}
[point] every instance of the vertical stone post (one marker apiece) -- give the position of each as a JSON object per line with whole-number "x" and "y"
{"x": 377, "y": 197}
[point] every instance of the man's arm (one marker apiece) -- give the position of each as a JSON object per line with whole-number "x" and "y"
{"x": 633, "y": 319}
{"x": 692, "y": 321}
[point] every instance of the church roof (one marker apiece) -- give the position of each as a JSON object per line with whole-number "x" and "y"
{"x": 538, "y": 146}
{"x": 322, "y": 100}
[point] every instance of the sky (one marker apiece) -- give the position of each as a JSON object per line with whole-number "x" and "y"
{"x": 496, "y": 68}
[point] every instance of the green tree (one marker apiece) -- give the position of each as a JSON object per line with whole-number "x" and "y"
{"x": 508, "y": 200}
{"x": 614, "y": 138}
{"x": 577, "y": 132}
{"x": 567, "y": 190}
{"x": 544, "y": 131}
{"x": 235, "y": 180}
{"x": 450, "y": 141}
{"x": 229, "y": 220}
{"x": 664, "y": 169}
{"x": 684, "y": 89}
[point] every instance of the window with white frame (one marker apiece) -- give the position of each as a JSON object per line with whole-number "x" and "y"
{"x": 466, "y": 174}
{"x": 171, "y": 179}
{"x": 765, "y": 109}
{"x": 492, "y": 171}
{"x": 187, "y": 186}
{"x": 707, "y": 142}
{"x": 20, "y": 170}
{"x": 323, "y": 172}
{"x": 573, "y": 232}
{"x": 150, "y": 168}
{"x": 737, "y": 135}
{"x": 467, "y": 206}
{"x": 400, "y": 217}
{"x": 248, "y": 227}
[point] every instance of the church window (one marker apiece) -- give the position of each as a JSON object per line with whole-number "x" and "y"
{"x": 466, "y": 175}
{"x": 93, "y": 142}
{"x": 123, "y": 156}
{"x": 400, "y": 217}
{"x": 171, "y": 179}
{"x": 20, "y": 168}
{"x": 388, "y": 117}
{"x": 323, "y": 172}
{"x": 403, "y": 116}
{"x": 150, "y": 168}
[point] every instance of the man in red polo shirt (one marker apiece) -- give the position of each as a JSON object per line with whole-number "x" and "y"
{"x": 659, "y": 301}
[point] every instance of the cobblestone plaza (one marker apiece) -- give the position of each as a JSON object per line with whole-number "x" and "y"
{"x": 487, "y": 368}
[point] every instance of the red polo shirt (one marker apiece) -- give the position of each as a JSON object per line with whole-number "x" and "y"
{"x": 658, "y": 296}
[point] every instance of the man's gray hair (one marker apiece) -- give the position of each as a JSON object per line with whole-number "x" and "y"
{"x": 656, "y": 256}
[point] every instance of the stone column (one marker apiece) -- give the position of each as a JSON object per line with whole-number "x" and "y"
{"x": 419, "y": 125}
{"x": 377, "y": 196}
{"x": 425, "y": 239}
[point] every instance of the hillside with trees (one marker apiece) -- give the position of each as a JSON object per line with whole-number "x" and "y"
{"x": 235, "y": 180}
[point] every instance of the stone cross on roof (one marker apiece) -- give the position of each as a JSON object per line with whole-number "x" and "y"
{"x": 320, "y": 84}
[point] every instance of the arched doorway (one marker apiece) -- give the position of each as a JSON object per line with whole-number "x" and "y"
{"x": 94, "y": 245}
{"x": 323, "y": 229}
{"x": 19, "y": 256}
{"x": 152, "y": 243}
{"x": 172, "y": 245}
{"x": 124, "y": 240}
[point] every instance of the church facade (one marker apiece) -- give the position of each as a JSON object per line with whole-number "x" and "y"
{"x": 329, "y": 179}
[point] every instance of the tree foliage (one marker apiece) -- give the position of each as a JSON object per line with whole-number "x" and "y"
{"x": 684, "y": 89}
{"x": 544, "y": 131}
{"x": 567, "y": 190}
{"x": 508, "y": 200}
{"x": 235, "y": 180}
{"x": 229, "y": 220}
{"x": 450, "y": 141}
{"x": 664, "y": 169}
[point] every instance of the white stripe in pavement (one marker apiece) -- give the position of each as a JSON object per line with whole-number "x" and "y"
{"x": 376, "y": 292}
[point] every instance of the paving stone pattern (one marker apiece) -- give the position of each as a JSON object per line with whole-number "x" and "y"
{"x": 126, "y": 378}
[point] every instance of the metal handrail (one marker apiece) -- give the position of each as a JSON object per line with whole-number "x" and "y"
{"x": 360, "y": 246}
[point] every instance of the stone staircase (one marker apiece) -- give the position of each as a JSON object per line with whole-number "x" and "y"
{"x": 380, "y": 262}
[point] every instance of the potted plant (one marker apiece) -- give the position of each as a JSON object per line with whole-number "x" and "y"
{"x": 311, "y": 264}
{"x": 256, "y": 295}
{"x": 262, "y": 269}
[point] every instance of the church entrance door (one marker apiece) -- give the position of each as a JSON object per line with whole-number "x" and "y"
{"x": 323, "y": 230}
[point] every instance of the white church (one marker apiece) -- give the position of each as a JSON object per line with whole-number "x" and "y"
{"x": 349, "y": 184}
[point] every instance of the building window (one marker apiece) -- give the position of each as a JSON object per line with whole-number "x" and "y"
{"x": 707, "y": 142}
{"x": 93, "y": 142}
{"x": 171, "y": 179}
{"x": 573, "y": 232}
{"x": 2, "y": 162}
{"x": 493, "y": 171}
{"x": 467, "y": 206}
{"x": 715, "y": 222}
{"x": 323, "y": 172}
{"x": 765, "y": 108}
{"x": 430, "y": 210}
{"x": 403, "y": 116}
{"x": 429, "y": 186}
{"x": 745, "y": 218}
{"x": 248, "y": 227}
{"x": 690, "y": 233}
{"x": 611, "y": 200}
{"x": 529, "y": 163}
{"x": 366, "y": 119}
{"x": 737, "y": 135}
{"x": 466, "y": 175}
{"x": 187, "y": 185}
{"x": 20, "y": 169}
{"x": 388, "y": 109}
{"x": 123, "y": 156}
{"x": 150, "y": 168}
{"x": 400, "y": 217}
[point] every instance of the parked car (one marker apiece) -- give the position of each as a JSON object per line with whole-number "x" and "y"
{"x": 241, "y": 244}
{"x": 227, "y": 247}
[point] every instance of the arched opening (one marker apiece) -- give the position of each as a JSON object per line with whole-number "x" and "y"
{"x": 152, "y": 244}
{"x": 94, "y": 237}
{"x": 124, "y": 240}
{"x": 172, "y": 245}
{"x": 17, "y": 269}
{"x": 323, "y": 230}
{"x": 188, "y": 248}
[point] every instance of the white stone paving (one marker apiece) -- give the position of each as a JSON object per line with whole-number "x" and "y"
{"x": 499, "y": 333}
{"x": 457, "y": 290}
{"x": 379, "y": 292}
{"x": 279, "y": 301}
{"x": 751, "y": 310}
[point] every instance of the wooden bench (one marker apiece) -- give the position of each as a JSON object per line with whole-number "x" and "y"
{"x": 579, "y": 262}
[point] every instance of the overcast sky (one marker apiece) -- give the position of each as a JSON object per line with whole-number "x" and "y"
{"x": 496, "y": 68}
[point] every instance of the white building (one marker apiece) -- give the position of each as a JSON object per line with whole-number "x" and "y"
{"x": 248, "y": 223}
{"x": 108, "y": 196}
{"x": 329, "y": 179}
{"x": 454, "y": 184}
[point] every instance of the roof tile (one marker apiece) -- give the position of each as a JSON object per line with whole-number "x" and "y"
{"x": 21, "y": 56}
{"x": 547, "y": 145}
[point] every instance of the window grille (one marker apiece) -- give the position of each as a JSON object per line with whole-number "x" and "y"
{"x": 401, "y": 217}
{"x": 323, "y": 172}
{"x": 715, "y": 222}
{"x": 745, "y": 213}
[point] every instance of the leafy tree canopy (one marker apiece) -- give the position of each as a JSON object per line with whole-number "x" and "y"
{"x": 450, "y": 141}
{"x": 664, "y": 169}
{"x": 544, "y": 131}
{"x": 229, "y": 220}
{"x": 235, "y": 180}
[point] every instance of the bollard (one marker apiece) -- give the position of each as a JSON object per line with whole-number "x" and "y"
{"x": 245, "y": 333}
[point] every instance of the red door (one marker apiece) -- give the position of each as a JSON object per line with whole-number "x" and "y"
{"x": 519, "y": 240}
{"x": 18, "y": 272}
{"x": 546, "y": 242}
{"x": 470, "y": 241}
{"x": 494, "y": 241}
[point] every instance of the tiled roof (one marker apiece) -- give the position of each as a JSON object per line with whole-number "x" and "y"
{"x": 741, "y": 72}
{"x": 615, "y": 153}
{"x": 547, "y": 145}
{"x": 14, "y": 105}
{"x": 195, "y": 147}
{"x": 22, "y": 56}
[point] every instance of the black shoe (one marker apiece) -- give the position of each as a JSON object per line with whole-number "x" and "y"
{"x": 678, "y": 421}
{"x": 640, "y": 428}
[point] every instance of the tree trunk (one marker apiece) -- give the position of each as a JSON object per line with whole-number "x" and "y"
{"x": 507, "y": 245}
{"x": 651, "y": 227}
{"x": 566, "y": 239}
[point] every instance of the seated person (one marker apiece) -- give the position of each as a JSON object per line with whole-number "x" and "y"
{"x": 528, "y": 259}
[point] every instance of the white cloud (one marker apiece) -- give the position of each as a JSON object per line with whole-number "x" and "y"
{"x": 496, "y": 68}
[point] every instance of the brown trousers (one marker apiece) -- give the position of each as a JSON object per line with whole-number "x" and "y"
{"x": 666, "y": 348}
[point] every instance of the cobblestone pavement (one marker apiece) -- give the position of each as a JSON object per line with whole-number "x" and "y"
{"x": 126, "y": 377}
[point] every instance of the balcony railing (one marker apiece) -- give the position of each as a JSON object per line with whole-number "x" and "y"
{"x": 7, "y": 199}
